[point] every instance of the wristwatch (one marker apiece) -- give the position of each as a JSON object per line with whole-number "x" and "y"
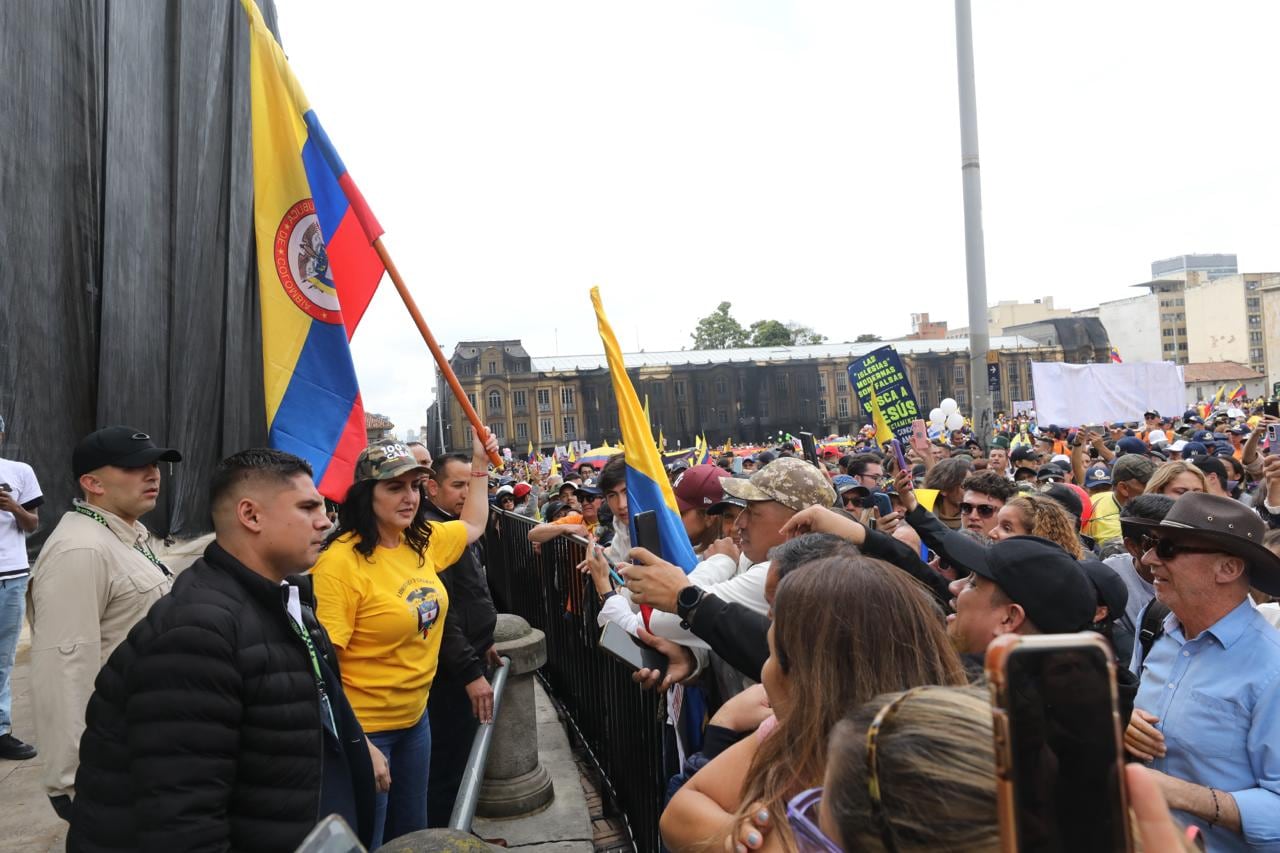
{"x": 687, "y": 601}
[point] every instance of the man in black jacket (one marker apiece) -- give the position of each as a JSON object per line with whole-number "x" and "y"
{"x": 220, "y": 722}
{"x": 461, "y": 697}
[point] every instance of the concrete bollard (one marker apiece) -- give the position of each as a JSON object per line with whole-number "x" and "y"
{"x": 437, "y": 841}
{"x": 515, "y": 782}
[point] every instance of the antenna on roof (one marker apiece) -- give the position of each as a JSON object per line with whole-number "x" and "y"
{"x": 557, "y": 333}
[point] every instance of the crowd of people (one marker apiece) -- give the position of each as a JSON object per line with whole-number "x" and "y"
{"x": 318, "y": 659}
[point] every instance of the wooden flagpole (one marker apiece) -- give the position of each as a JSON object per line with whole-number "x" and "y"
{"x": 443, "y": 363}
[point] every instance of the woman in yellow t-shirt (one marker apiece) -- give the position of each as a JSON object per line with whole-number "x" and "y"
{"x": 380, "y": 598}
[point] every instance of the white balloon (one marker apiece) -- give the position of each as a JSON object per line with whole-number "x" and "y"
{"x": 955, "y": 420}
{"x": 948, "y": 406}
{"x": 937, "y": 416}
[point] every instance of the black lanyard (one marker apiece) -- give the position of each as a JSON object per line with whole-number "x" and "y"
{"x": 137, "y": 544}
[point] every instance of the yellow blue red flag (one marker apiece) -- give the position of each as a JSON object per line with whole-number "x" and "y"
{"x": 647, "y": 485}
{"x": 317, "y": 271}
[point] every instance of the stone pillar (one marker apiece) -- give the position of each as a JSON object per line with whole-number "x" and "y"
{"x": 515, "y": 782}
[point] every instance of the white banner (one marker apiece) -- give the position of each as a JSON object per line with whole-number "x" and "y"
{"x": 1072, "y": 394}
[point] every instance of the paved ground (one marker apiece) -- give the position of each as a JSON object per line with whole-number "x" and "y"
{"x": 27, "y": 823}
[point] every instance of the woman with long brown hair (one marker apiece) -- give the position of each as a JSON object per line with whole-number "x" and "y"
{"x": 844, "y": 630}
{"x": 1038, "y": 515}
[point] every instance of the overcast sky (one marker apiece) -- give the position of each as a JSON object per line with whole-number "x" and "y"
{"x": 799, "y": 159}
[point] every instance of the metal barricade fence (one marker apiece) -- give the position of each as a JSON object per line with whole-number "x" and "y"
{"x": 621, "y": 725}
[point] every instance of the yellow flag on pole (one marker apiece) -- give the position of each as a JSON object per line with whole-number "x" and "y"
{"x": 883, "y": 433}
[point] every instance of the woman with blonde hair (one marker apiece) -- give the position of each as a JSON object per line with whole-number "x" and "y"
{"x": 844, "y": 630}
{"x": 1175, "y": 479}
{"x": 1038, "y": 515}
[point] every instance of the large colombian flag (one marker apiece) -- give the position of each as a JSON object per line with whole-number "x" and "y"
{"x": 317, "y": 271}
{"x": 647, "y": 485}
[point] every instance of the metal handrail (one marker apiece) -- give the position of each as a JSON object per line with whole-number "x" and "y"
{"x": 464, "y": 807}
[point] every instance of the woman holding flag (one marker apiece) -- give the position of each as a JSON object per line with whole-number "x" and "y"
{"x": 379, "y": 595}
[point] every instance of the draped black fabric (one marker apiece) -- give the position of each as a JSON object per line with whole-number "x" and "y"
{"x": 128, "y": 290}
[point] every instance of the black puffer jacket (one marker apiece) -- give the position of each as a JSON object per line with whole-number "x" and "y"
{"x": 204, "y": 729}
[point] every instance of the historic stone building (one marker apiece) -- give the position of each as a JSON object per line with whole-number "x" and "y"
{"x": 743, "y": 394}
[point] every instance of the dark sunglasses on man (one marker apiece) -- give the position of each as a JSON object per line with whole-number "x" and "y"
{"x": 983, "y": 510}
{"x": 1167, "y": 549}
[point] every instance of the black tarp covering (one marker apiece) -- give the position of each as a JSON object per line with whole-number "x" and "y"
{"x": 127, "y": 280}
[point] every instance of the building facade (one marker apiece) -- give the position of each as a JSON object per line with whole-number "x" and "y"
{"x": 1007, "y": 313}
{"x": 1208, "y": 266}
{"x": 739, "y": 394}
{"x": 1203, "y": 379}
{"x": 1225, "y": 319}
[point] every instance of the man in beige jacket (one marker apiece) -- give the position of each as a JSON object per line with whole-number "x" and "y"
{"x": 96, "y": 576}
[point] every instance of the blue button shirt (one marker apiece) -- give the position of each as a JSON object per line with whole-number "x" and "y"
{"x": 1218, "y": 700}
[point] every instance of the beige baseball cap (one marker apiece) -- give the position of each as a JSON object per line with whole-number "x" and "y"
{"x": 791, "y": 482}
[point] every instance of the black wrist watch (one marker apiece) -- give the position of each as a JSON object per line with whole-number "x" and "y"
{"x": 687, "y": 601}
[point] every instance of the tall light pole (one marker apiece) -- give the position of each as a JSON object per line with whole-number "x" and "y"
{"x": 974, "y": 252}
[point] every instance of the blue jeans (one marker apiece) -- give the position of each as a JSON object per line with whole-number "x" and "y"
{"x": 403, "y": 809}
{"x": 13, "y": 606}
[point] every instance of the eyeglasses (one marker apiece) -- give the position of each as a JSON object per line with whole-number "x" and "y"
{"x": 802, "y": 815}
{"x": 873, "y": 774}
{"x": 983, "y": 510}
{"x": 1167, "y": 549}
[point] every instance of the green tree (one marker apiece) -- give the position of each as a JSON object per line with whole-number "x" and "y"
{"x": 866, "y": 339}
{"x": 801, "y": 335}
{"x": 770, "y": 333}
{"x": 719, "y": 330}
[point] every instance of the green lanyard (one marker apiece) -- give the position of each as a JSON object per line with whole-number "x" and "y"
{"x": 137, "y": 545}
{"x": 325, "y": 707}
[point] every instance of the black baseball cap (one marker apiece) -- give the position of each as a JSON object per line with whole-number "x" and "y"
{"x": 1034, "y": 573}
{"x": 119, "y": 446}
{"x": 1110, "y": 589}
{"x": 1023, "y": 453}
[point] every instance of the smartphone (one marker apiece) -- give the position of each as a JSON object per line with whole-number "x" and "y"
{"x": 1071, "y": 437}
{"x": 1273, "y": 435}
{"x": 647, "y": 532}
{"x": 331, "y": 835}
{"x": 1059, "y": 754}
{"x": 878, "y": 501}
{"x": 616, "y": 641}
{"x": 919, "y": 432}
{"x": 1272, "y": 409}
{"x": 898, "y": 456}
{"x": 809, "y": 448}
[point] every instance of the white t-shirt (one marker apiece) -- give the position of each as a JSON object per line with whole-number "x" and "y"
{"x": 13, "y": 541}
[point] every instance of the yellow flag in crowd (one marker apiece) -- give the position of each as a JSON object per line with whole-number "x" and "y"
{"x": 883, "y": 433}
{"x": 573, "y": 456}
{"x": 530, "y": 450}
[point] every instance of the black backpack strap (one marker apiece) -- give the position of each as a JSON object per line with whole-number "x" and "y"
{"x": 1152, "y": 627}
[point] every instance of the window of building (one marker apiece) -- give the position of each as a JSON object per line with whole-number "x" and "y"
{"x": 722, "y": 387}
{"x": 764, "y": 408}
{"x": 1182, "y": 345}
{"x": 959, "y": 375}
{"x": 1255, "y": 354}
{"x": 1168, "y": 333}
{"x": 518, "y": 399}
{"x": 962, "y": 397}
{"x": 657, "y": 392}
{"x": 1255, "y": 337}
{"x": 471, "y": 398}
{"x": 780, "y": 383}
{"x": 1254, "y": 302}
{"x": 701, "y": 388}
{"x": 1168, "y": 347}
{"x": 1255, "y": 320}
{"x": 544, "y": 425}
{"x": 822, "y": 411}
{"x": 1181, "y": 331}
{"x": 722, "y": 416}
{"x": 679, "y": 389}
{"x": 495, "y": 401}
{"x": 466, "y": 432}
{"x": 822, "y": 383}
{"x": 682, "y": 418}
{"x": 498, "y": 430}
{"x": 842, "y": 407}
{"x": 522, "y": 430}
{"x": 566, "y": 396}
{"x": 544, "y": 399}
{"x": 841, "y": 382}
{"x": 570, "y": 426}
{"x": 493, "y": 367}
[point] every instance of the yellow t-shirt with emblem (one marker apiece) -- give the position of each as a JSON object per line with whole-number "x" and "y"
{"x": 385, "y": 616}
{"x": 1104, "y": 525}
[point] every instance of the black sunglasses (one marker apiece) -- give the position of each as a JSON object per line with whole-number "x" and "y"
{"x": 1167, "y": 549}
{"x": 983, "y": 510}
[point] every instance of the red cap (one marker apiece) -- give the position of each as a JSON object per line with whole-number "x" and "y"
{"x": 521, "y": 490}
{"x": 699, "y": 487}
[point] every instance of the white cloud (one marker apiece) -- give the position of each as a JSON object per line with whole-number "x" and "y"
{"x": 798, "y": 159}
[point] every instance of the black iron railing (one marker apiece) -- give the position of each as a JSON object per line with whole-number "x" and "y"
{"x": 621, "y": 725}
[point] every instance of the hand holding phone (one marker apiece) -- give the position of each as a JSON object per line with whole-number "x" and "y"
{"x": 616, "y": 641}
{"x": 647, "y": 532}
{"x": 897, "y": 455}
{"x": 1059, "y": 755}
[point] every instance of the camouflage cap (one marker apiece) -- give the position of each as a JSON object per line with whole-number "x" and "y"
{"x": 792, "y": 482}
{"x": 386, "y": 460}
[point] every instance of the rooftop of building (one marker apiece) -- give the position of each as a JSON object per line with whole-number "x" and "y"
{"x": 1218, "y": 371}
{"x": 741, "y": 355}
{"x": 373, "y": 420}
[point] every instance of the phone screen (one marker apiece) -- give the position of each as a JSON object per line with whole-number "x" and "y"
{"x": 1272, "y": 409}
{"x": 1063, "y": 741}
{"x": 810, "y": 449}
{"x": 616, "y": 641}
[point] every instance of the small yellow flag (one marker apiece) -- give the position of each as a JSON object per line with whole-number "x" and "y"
{"x": 883, "y": 433}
